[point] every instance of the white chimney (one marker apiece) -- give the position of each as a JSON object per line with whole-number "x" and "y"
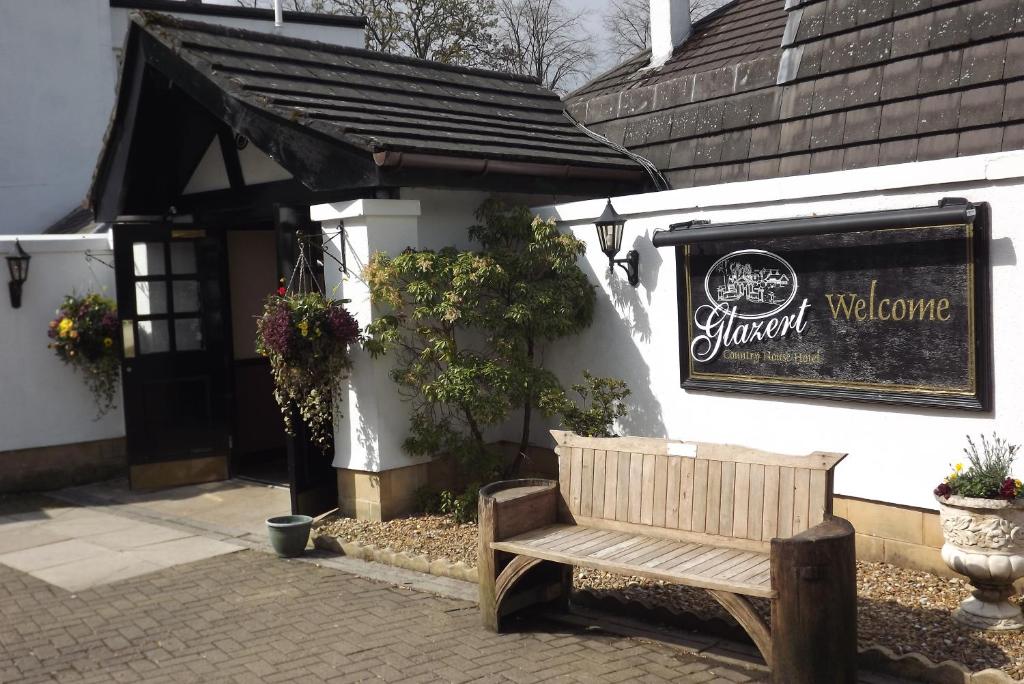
{"x": 670, "y": 27}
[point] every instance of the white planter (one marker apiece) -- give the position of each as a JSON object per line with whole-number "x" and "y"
{"x": 985, "y": 541}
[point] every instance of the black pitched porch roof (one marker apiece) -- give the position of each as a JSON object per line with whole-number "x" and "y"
{"x": 340, "y": 118}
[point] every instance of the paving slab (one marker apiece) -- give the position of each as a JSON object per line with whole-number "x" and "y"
{"x": 18, "y": 538}
{"x": 85, "y": 522}
{"x": 49, "y": 555}
{"x": 105, "y": 568}
{"x": 137, "y": 535}
{"x": 179, "y": 551}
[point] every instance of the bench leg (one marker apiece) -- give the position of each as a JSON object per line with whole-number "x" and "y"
{"x": 750, "y": 620}
{"x": 814, "y": 617}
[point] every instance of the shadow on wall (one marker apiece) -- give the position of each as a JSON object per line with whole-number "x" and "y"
{"x": 622, "y": 325}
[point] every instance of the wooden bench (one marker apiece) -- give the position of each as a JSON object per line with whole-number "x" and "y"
{"x": 737, "y": 522}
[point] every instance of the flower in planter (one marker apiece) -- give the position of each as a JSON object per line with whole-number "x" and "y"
{"x": 988, "y": 476}
{"x": 306, "y": 338}
{"x": 83, "y": 335}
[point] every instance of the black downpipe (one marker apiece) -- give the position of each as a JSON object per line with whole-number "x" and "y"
{"x": 951, "y": 211}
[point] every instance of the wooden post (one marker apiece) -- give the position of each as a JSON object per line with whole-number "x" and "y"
{"x": 814, "y": 617}
{"x": 486, "y": 561}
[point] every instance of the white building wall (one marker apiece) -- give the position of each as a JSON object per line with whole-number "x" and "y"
{"x": 44, "y": 402}
{"x": 59, "y": 76}
{"x": 896, "y": 454}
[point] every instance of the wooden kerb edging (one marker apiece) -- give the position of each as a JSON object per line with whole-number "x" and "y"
{"x": 738, "y": 522}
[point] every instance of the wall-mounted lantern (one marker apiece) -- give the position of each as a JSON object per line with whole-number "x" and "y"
{"x": 17, "y": 264}
{"x": 609, "y": 232}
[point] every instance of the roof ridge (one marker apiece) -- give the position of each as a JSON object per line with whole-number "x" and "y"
{"x": 147, "y": 18}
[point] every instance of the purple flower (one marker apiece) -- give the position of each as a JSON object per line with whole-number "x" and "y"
{"x": 276, "y": 329}
{"x": 943, "y": 490}
{"x": 342, "y": 325}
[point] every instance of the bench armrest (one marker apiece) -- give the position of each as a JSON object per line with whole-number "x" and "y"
{"x": 512, "y": 507}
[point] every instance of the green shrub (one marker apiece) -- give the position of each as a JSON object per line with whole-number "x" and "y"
{"x": 605, "y": 396}
{"x": 462, "y": 507}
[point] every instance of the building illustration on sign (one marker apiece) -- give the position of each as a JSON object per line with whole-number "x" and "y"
{"x": 742, "y": 281}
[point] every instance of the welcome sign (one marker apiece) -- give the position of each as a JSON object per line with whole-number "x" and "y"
{"x": 888, "y": 315}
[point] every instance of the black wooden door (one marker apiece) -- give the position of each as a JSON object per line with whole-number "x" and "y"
{"x": 312, "y": 477}
{"x": 171, "y": 294}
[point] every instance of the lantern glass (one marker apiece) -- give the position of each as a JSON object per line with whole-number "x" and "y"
{"x": 609, "y": 231}
{"x": 18, "y": 265}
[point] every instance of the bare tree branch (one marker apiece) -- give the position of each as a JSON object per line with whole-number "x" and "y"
{"x": 541, "y": 38}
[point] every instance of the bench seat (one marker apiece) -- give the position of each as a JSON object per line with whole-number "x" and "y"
{"x": 624, "y": 553}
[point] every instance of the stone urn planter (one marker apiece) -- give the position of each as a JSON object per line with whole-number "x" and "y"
{"x": 289, "y": 534}
{"x": 984, "y": 540}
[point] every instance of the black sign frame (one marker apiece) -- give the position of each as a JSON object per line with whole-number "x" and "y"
{"x": 978, "y": 398}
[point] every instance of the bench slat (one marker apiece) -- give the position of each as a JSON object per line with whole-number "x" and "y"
{"x": 611, "y": 474}
{"x": 636, "y": 483}
{"x": 576, "y": 486}
{"x": 755, "y": 506}
{"x": 717, "y": 561}
{"x": 714, "y": 503}
{"x": 600, "y": 458}
{"x": 660, "y": 489}
{"x": 727, "y": 503}
{"x": 686, "y": 493}
{"x": 770, "y": 516}
{"x": 622, "y": 491}
{"x": 786, "y": 483}
{"x": 587, "y": 484}
{"x": 673, "y": 473}
{"x": 741, "y": 499}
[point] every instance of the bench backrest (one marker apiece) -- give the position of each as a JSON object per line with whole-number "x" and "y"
{"x": 691, "y": 490}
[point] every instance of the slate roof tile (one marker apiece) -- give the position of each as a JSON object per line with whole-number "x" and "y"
{"x": 763, "y": 168}
{"x": 981, "y": 106}
{"x": 897, "y": 151}
{"x": 1013, "y": 105}
{"x": 937, "y": 146}
{"x": 861, "y": 156}
{"x": 875, "y": 82}
{"x": 980, "y": 141}
{"x": 899, "y": 79}
{"x": 862, "y": 125}
{"x": 983, "y": 63}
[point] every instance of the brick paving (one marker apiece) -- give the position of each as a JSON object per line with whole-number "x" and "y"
{"x": 250, "y": 617}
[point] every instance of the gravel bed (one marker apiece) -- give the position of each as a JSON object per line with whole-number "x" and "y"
{"x": 904, "y": 610}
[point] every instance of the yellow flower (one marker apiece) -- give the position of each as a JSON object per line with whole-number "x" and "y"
{"x": 304, "y": 327}
{"x": 958, "y": 467}
{"x": 107, "y": 342}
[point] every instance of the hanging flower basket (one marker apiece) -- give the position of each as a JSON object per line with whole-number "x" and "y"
{"x": 306, "y": 338}
{"x": 84, "y": 336}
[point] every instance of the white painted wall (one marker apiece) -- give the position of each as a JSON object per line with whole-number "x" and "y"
{"x": 371, "y": 420}
{"x": 44, "y": 401}
{"x": 896, "y": 454}
{"x": 60, "y": 64}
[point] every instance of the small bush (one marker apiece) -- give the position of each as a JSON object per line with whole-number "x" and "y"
{"x": 462, "y": 507}
{"x": 605, "y": 396}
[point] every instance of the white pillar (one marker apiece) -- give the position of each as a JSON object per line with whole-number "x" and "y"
{"x": 374, "y": 420}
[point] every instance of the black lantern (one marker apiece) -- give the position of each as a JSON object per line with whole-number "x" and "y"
{"x": 609, "y": 232}
{"x": 17, "y": 264}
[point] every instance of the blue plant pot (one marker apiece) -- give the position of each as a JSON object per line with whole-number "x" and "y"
{"x": 289, "y": 534}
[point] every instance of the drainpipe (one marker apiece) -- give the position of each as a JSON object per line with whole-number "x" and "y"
{"x": 278, "y": 14}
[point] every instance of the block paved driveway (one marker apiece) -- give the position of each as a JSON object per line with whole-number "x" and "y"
{"x": 250, "y": 617}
